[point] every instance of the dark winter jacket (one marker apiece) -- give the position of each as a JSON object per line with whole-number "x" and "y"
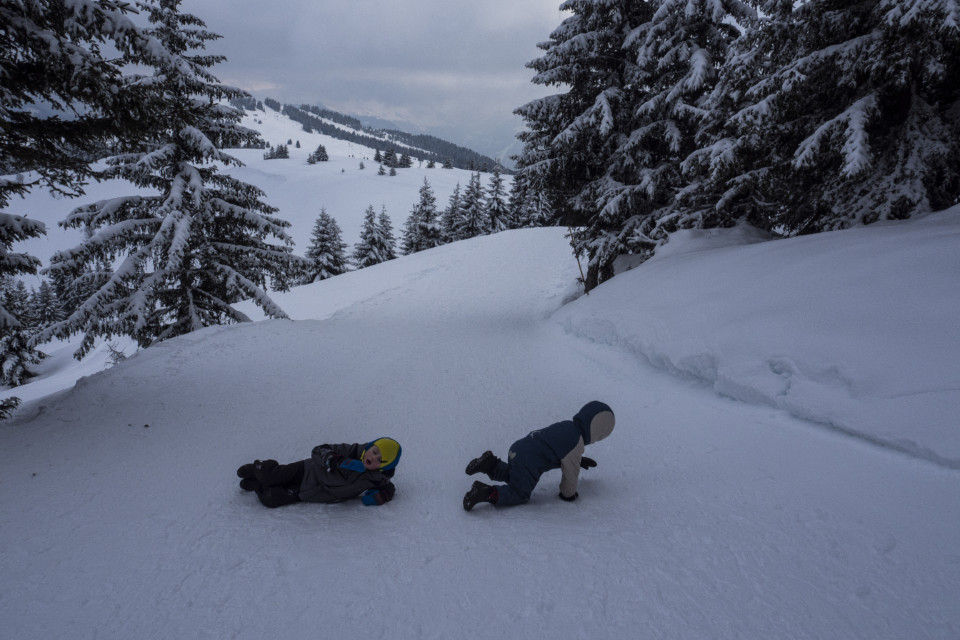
{"x": 334, "y": 473}
{"x": 560, "y": 446}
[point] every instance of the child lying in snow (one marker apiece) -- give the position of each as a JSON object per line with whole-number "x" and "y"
{"x": 332, "y": 473}
{"x": 559, "y": 446}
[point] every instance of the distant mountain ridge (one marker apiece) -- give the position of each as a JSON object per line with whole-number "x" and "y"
{"x": 337, "y": 125}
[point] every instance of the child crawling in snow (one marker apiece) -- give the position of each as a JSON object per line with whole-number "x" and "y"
{"x": 559, "y": 446}
{"x": 332, "y": 473}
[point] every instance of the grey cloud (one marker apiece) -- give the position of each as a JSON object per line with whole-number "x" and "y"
{"x": 440, "y": 61}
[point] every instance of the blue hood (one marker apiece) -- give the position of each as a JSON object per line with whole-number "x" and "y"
{"x": 595, "y": 421}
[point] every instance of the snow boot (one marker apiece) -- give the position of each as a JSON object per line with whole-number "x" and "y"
{"x": 480, "y": 492}
{"x": 248, "y": 470}
{"x": 486, "y": 463}
{"x": 249, "y": 484}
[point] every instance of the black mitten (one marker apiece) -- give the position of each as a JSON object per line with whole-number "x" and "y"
{"x": 387, "y": 489}
{"x": 333, "y": 460}
{"x": 587, "y": 463}
{"x": 325, "y": 456}
{"x": 380, "y": 495}
{"x": 569, "y": 499}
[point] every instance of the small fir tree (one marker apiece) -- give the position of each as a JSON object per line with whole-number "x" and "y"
{"x": 498, "y": 215}
{"x": 320, "y": 155}
{"x": 327, "y": 250}
{"x": 474, "y": 219}
{"x": 422, "y": 229}
{"x": 374, "y": 246}
{"x": 385, "y": 235}
{"x": 451, "y": 220}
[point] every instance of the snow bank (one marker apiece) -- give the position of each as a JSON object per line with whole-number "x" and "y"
{"x": 855, "y": 329}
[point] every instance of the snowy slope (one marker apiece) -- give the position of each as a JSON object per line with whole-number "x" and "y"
{"x": 707, "y": 517}
{"x": 855, "y": 330}
{"x": 298, "y": 190}
{"x": 730, "y": 502}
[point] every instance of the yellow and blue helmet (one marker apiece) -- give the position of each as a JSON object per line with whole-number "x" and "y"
{"x": 389, "y": 452}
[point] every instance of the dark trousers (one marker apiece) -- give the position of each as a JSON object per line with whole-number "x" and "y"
{"x": 521, "y": 474}
{"x": 279, "y": 483}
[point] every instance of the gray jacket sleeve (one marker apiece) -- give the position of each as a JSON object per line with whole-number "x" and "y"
{"x": 570, "y": 468}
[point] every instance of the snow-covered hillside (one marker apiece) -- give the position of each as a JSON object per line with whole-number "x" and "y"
{"x": 298, "y": 190}
{"x": 784, "y": 463}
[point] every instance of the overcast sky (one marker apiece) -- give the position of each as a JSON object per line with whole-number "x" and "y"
{"x": 445, "y": 64}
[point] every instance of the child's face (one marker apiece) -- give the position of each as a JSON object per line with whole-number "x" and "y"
{"x": 371, "y": 458}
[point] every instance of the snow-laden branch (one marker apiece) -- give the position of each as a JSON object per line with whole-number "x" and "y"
{"x": 857, "y": 156}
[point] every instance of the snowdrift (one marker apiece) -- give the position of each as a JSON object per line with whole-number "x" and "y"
{"x": 855, "y": 330}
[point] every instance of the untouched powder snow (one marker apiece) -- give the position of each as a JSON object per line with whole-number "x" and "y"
{"x": 707, "y": 517}
{"x": 856, "y": 330}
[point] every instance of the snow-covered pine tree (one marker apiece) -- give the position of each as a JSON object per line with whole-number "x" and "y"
{"x": 376, "y": 243}
{"x": 516, "y": 203}
{"x": 319, "y": 155}
{"x": 384, "y": 236}
{"x": 571, "y": 137}
{"x": 16, "y": 299}
{"x": 676, "y": 54}
{"x": 203, "y": 243}
{"x": 848, "y": 113}
{"x": 473, "y": 219}
{"x": 14, "y": 229}
{"x": 422, "y": 229}
{"x": 431, "y": 235}
{"x": 47, "y": 308}
{"x": 450, "y": 220}
{"x": 410, "y": 239}
{"x": 364, "y": 252}
{"x": 52, "y": 60}
{"x": 498, "y": 215}
{"x": 16, "y": 354}
{"x": 16, "y": 358}
{"x": 539, "y": 209}
{"x": 327, "y": 250}
{"x": 529, "y": 204}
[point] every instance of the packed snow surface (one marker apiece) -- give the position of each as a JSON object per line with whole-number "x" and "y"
{"x": 784, "y": 464}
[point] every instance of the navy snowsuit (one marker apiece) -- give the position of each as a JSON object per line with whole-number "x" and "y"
{"x": 559, "y": 446}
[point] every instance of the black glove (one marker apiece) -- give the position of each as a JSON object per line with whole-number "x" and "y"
{"x": 570, "y": 499}
{"x": 328, "y": 459}
{"x": 586, "y": 462}
{"x": 380, "y": 495}
{"x": 387, "y": 489}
